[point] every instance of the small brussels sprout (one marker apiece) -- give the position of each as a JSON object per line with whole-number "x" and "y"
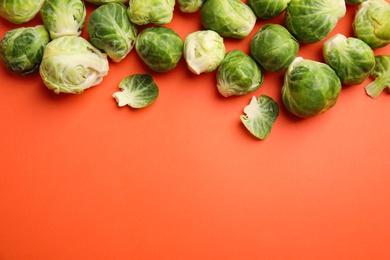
{"x": 190, "y": 6}
{"x": 138, "y": 91}
{"x": 70, "y": 64}
{"x": 110, "y": 30}
{"x": 267, "y": 9}
{"x": 229, "y": 18}
{"x": 151, "y": 11}
{"x": 238, "y": 74}
{"x": 63, "y": 17}
{"x": 312, "y": 20}
{"x": 159, "y": 47}
{"x": 20, "y": 11}
{"x": 310, "y": 88}
{"x": 102, "y": 2}
{"x": 372, "y": 23}
{"x": 203, "y": 51}
{"x": 352, "y": 59}
{"x": 273, "y": 47}
{"x": 354, "y": 2}
{"x": 22, "y": 48}
{"x": 381, "y": 73}
{"x": 260, "y": 116}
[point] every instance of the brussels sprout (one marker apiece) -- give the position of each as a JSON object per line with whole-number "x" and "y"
{"x": 354, "y": 2}
{"x": 151, "y": 11}
{"x": 110, "y": 30}
{"x": 101, "y": 2}
{"x": 21, "y": 49}
{"x": 273, "y": 47}
{"x": 267, "y": 9}
{"x": 381, "y": 73}
{"x": 238, "y": 74}
{"x": 310, "y": 88}
{"x": 70, "y": 64}
{"x": 229, "y": 18}
{"x": 20, "y": 11}
{"x": 260, "y": 116}
{"x": 352, "y": 59}
{"x": 312, "y": 20}
{"x": 372, "y": 23}
{"x": 138, "y": 91}
{"x": 190, "y": 6}
{"x": 159, "y": 47}
{"x": 63, "y": 17}
{"x": 203, "y": 51}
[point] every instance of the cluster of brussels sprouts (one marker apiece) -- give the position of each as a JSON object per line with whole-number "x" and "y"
{"x": 69, "y": 63}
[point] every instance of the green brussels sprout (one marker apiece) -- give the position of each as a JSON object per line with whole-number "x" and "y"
{"x": 238, "y": 74}
{"x": 190, "y": 6}
{"x": 273, "y": 47}
{"x": 20, "y": 11}
{"x": 203, "y": 51}
{"x": 267, "y": 9}
{"x": 22, "y": 48}
{"x": 159, "y": 47}
{"x": 354, "y": 2}
{"x": 260, "y": 116}
{"x": 151, "y": 11}
{"x": 102, "y": 2}
{"x": 63, "y": 17}
{"x": 138, "y": 91}
{"x": 381, "y": 73}
{"x": 229, "y": 18}
{"x": 352, "y": 59}
{"x": 110, "y": 30}
{"x": 70, "y": 64}
{"x": 372, "y": 23}
{"x": 312, "y": 20}
{"x": 310, "y": 88}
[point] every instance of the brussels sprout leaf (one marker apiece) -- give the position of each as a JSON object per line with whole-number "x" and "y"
{"x": 381, "y": 73}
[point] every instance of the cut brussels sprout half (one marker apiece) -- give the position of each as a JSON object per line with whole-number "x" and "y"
{"x": 260, "y": 116}
{"x": 381, "y": 73}
{"x": 20, "y": 11}
{"x": 138, "y": 91}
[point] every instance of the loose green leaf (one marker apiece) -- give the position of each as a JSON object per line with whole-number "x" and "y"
{"x": 381, "y": 73}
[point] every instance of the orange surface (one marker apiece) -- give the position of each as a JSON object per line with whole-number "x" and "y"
{"x": 82, "y": 178}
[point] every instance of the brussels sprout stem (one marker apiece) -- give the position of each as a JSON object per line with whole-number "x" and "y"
{"x": 377, "y": 86}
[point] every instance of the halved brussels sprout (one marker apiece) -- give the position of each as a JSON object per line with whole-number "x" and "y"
{"x": 273, "y": 47}
{"x": 310, "y": 88}
{"x": 381, "y": 73}
{"x": 372, "y": 23}
{"x": 159, "y": 47}
{"x": 63, "y": 17}
{"x": 102, "y": 2}
{"x": 190, "y": 6}
{"x": 20, "y": 11}
{"x": 151, "y": 11}
{"x": 203, "y": 51}
{"x": 110, "y": 30}
{"x": 70, "y": 64}
{"x": 229, "y": 18}
{"x": 260, "y": 116}
{"x": 138, "y": 91}
{"x": 352, "y": 59}
{"x": 238, "y": 74}
{"x": 22, "y": 48}
{"x": 267, "y": 9}
{"x": 312, "y": 20}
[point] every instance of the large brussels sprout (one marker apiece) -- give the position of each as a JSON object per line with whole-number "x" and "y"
{"x": 238, "y": 74}
{"x": 203, "y": 51}
{"x": 273, "y": 47}
{"x": 151, "y": 11}
{"x": 310, "y": 88}
{"x": 229, "y": 18}
{"x": 63, "y": 17}
{"x": 101, "y": 2}
{"x": 22, "y": 48}
{"x": 312, "y": 20}
{"x": 110, "y": 30}
{"x": 70, "y": 64}
{"x": 381, "y": 73}
{"x": 267, "y": 9}
{"x": 20, "y": 11}
{"x": 372, "y": 23}
{"x": 352, "y": 59}
{"x": 159, "y": 47}
{"x": 190, "y": 6}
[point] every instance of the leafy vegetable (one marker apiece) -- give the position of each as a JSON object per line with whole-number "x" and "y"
{"x": 101, "y": 2}
{"x": 70, "y": 64}
{"x": 151, "y": 11}
{"x": 138, "y": 91}
{"x": 21, "y": 49}
{"x": 381, "y": 73}
{"x": 20, "y": 11}
{"x": 267, "y": 9}
{"x": 354, "y": 2}
{"x": 260, "y": 116}
{"x": 190, "y": 6}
